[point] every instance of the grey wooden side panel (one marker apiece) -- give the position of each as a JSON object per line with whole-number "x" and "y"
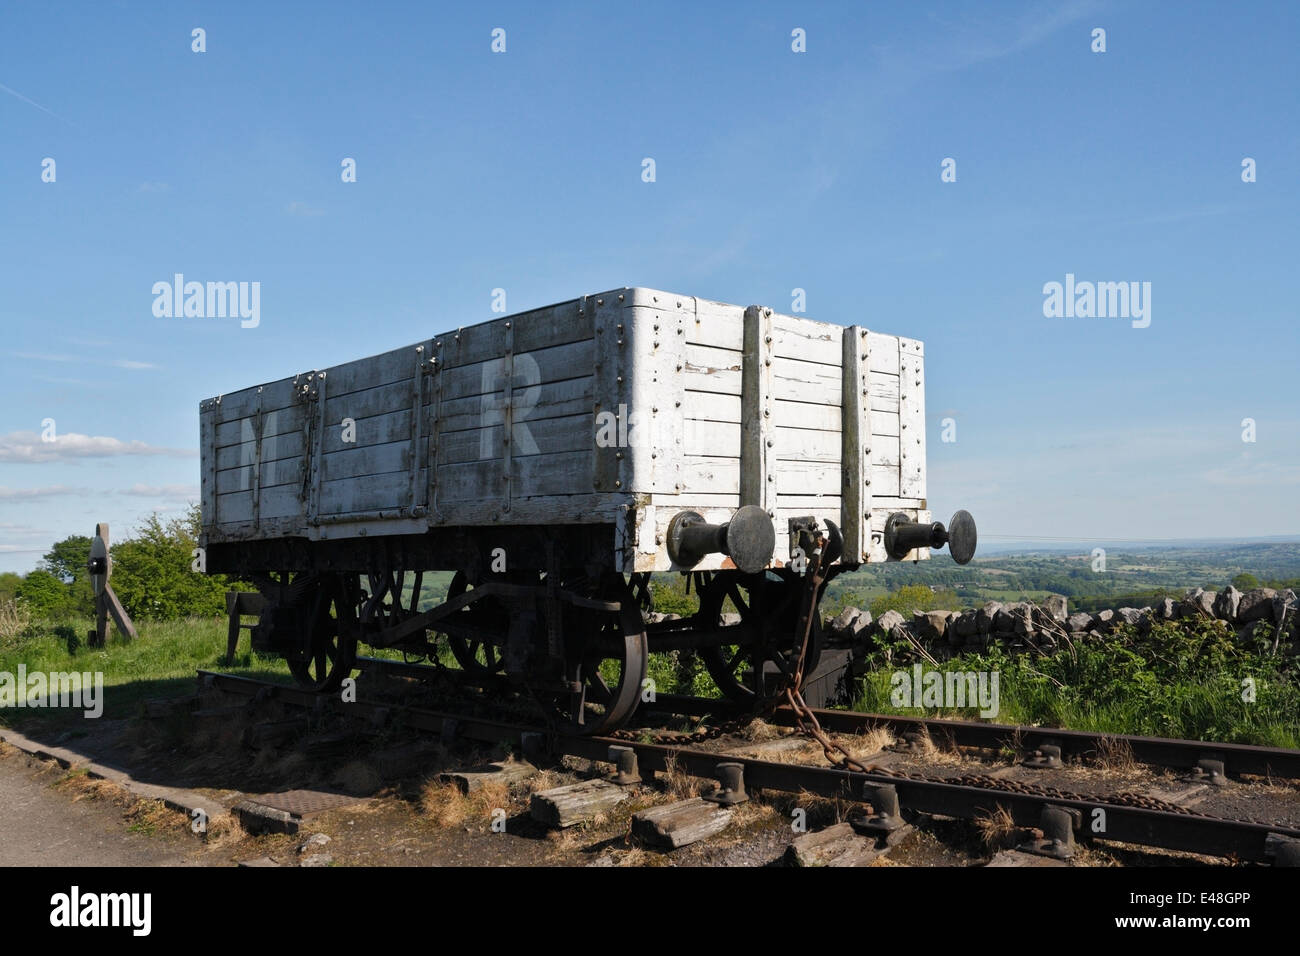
{"x": 855, "y": 450}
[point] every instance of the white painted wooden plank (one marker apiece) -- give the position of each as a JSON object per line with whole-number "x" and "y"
{"x": 807, "y": 340}
{"x": 884, "y": 352}
{"x": 806, "y": 415}
{"x": 806, "y": 444}
{"x": 711, "y": 407}
{"x": 710, "y": 438}
{"x": 710, "y": 475}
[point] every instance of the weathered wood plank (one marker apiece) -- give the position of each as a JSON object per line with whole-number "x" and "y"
{"x": 757, "y": 437}
{"x": 530, "y": 369}
{"x": 502, "y": 772}
{"x": 575, "y": 803}
{"x": 572, "y": 396}
{"x": 807, "y": 340}
{"x": 837, "y": 845}
{"x": 529, "y": 437}
{"x": 855, "y": 446}
{"x": 680, "y": 824}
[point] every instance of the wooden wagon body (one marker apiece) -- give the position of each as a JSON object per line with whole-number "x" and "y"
{"x": 615, "y": 411}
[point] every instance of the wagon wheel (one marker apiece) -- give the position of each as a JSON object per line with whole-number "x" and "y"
{"x": 606, "y": 654}
{"x": 769, "y": 615}
{"x": 332, "y": 652}
{"x": 484, "y": 654}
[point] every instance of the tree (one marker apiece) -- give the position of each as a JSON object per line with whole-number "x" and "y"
{"x": 152, "y": 572}
{"x": 67, "y": 559}
{"x": 45, "y": 594}
{"x": 1245, "y": 581}
{"x": 67, "y": 562}
{"x": 915, "y": 597}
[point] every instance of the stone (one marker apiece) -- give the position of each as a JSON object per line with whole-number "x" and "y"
{"x": 1103, "y": 620}
{"x": 964, "y": 624}
{"x": 1256, "y": 605}
{"x": 843, "y": 621}
{"x": 1128, "y": 615}
{"x": 1284, "y": 607}
{"x": 320, "y": 859}
{"x": 1079, "y": 621}
{"x": 985, "y": 617}
{"x": 889, "y": 620}
{"x": 730, "y": 618}
{"x": 312, "y": 842}
{"x": 1166, "y": 609}
{"x": 1225, "y": 604}
{"x": 1197, "y": 603}
{"x": 1057, "y": 606}
{"x": 930, "y": 625}
{"x": 859, "y": 629}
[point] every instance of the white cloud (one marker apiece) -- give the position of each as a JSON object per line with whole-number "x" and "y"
{"x": 162, "y": 491}
{"x": 47, "y": 491}
{"x": 27, "y": 448}
{"x": 63, "y": 357}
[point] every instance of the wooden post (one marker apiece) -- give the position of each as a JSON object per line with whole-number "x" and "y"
{"x": 100, "y": 566}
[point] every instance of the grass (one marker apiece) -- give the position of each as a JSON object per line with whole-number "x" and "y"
{"x": 1184, "y": 679}
{"x": 160, "y": 663}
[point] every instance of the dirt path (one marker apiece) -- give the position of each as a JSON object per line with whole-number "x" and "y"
{"x": 44, "y": 827}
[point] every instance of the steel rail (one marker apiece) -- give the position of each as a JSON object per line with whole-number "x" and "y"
{"x": 1185, "y": 831}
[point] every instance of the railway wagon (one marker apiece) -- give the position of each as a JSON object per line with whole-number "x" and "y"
{"x": 553, "y": 459}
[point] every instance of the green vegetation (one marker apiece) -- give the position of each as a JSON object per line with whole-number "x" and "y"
{"x": 1185, "y": 679}
{"x": 914, "y": 597}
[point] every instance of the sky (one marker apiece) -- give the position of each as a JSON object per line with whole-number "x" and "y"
{"x": 775, "y": 170}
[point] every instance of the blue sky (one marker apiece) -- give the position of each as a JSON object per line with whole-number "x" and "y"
{"x": 775, "y": 170}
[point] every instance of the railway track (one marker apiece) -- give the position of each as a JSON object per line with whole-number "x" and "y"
{"x": 1062, "y": 816}
{"x": 1047, "y": 747}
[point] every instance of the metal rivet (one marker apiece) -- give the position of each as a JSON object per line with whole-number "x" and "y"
{"x": 600, "y": 301}
{"x": 618, "y": 455}
{"x": 617, "y": 483}
{"x": 507, "y": 325}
